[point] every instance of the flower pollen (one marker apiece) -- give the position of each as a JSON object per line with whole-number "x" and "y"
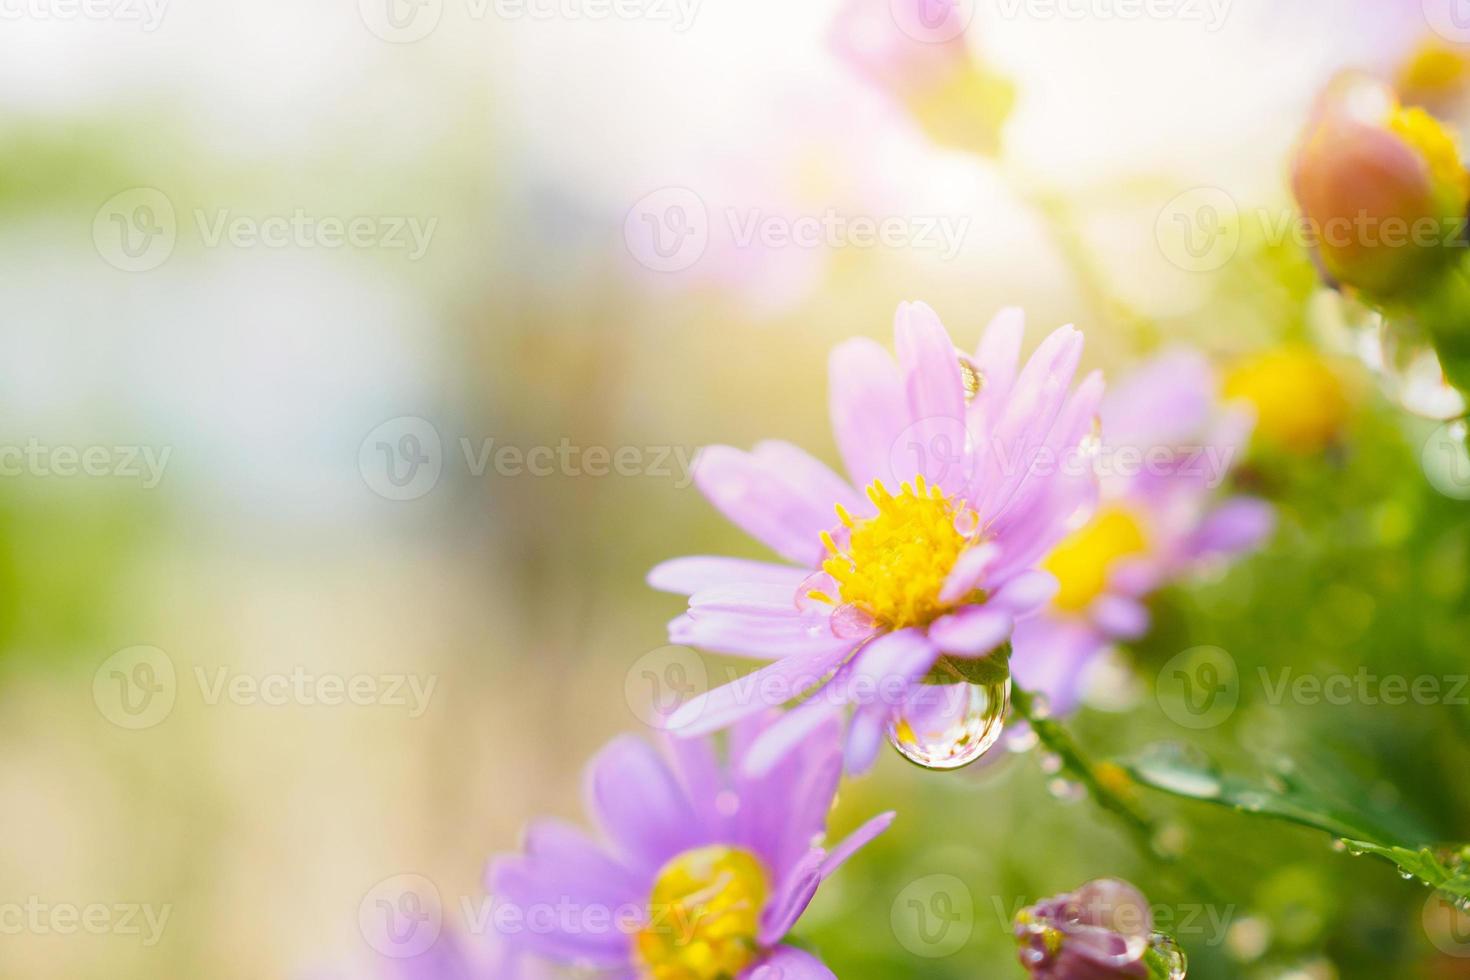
{"x": 895, "y": 564}
{"x": 704, "y": 915}
{"x": 1084, "y": 560}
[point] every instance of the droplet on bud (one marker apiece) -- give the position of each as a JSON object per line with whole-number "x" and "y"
{"x": 1412, "y": 373}
{"x": 1170, "y": 955}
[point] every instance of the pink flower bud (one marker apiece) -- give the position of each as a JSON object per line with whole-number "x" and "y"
{"x": 1102, "y": 931}
{"x": 1381, "y": 186}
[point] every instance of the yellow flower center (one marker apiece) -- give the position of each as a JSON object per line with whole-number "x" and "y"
{"x": 1433, "y": 141}
{"x": 1435, "y": 71}
{"x": 1084, "y": 560}
{"x": 895, "y": 563}
{"x": 704, "y": 915}
{"x": 1300, "y": 403}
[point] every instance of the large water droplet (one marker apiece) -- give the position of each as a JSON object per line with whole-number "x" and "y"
{"x": 852, "y": 622}
{"x": 1170, "y": 955}
{"x": 970, "y": 373}
{"x": 946, "y": 726}
{"x": 1180, "y": 769}
{"x": 817, "y": 582}
{"x": 1412, "y": 373}
{"x": 1064, "y": 789}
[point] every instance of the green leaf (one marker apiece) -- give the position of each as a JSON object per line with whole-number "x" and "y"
{"x": 993, "y": 668}
{"x": 1185, "y": 773}
{"x": 1448, "y": 874}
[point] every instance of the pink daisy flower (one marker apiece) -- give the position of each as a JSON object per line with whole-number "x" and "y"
{"x": 970, "y": 469}
{"x": 704, "y": 869}
{"x": 1169, "y": 443}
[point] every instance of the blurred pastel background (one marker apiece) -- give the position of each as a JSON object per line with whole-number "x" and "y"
{"x": 289, "y": 387}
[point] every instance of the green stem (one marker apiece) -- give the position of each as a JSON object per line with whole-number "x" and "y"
{"x": 1107, "y": 306}
{"x": 1060, "y": 743}
{"x": 1075, "y": 763}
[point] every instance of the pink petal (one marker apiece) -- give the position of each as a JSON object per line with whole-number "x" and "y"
{"x": 782, "y": 737}
{"x": 767, "y": 505}
{"x": 1120, "y": 616}
{"x": 936, "y": 437}
{"x": 686, "y": 576}
{"x": 789, "y": 963}
{"x": 811, "y": 476}
{"x": 1026, "y": 592}
{"x": 638, "y": 803}
{"x": 968, "y": 571}
{"x": 769, "y": 687}
{"x": 793, "y": 895}
{"x": 868, "y": 409}
{"x": 972, "y": 632}
{"x": 999, "y": 353}
{"x": 762, "y": 634}
{"x": 856, "y": 841}
{"x": 1238, "y": 525}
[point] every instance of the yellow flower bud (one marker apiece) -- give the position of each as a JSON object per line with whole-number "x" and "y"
{"x": 1301, "y": 404}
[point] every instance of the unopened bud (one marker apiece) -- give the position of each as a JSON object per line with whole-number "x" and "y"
{"x": 1382, "y": 187}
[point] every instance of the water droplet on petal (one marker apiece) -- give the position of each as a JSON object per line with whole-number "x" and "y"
{"x": 966, "y": 522}
{"x": 1412, "y": 372}
{"x": 1064, "y": 789}
{"x": 1040, "y": 706}
{"x": 1022, "y": 740}
{"x": 817, "y": 582}
{"x": 1172, "y": 956}
{"x": 946, "y": 726}
{"x": 970, "y": 373}
{"x": 1091, "y": 445}
{"x": 852, "y": 622}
